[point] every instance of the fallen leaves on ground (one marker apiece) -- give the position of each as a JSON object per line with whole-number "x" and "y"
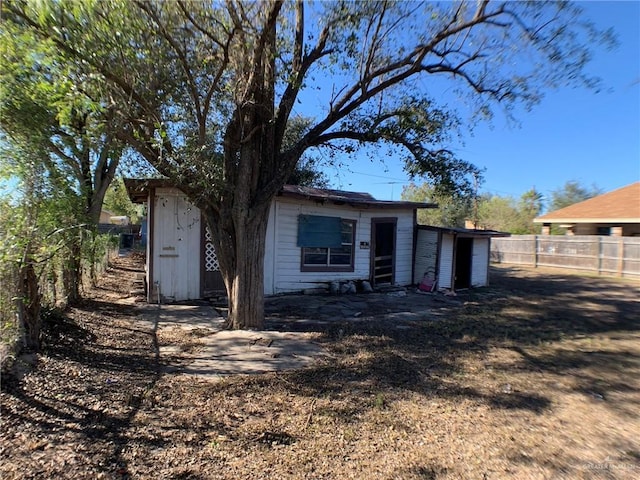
{"x": 537, "y": 376}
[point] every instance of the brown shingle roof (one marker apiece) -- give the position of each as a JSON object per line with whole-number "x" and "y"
{"x": 354, "y": 199}
{"x": 619, "y": 206}
{"x": 138, "y": 189}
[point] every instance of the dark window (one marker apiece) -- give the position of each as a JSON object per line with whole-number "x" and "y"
{"x": 332, "y": 258}
{"x": 318, "y": 231}
{"x": 604, "y": 231}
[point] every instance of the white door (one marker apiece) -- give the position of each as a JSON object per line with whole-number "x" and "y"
{"x": 446, "y": 262}
{"x": 480, "y": 262}
{"x": 176, "y": 248}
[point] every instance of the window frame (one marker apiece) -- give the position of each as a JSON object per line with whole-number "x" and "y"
{"x": 333, "y": 268}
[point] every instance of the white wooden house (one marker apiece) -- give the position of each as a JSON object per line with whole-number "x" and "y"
{"x": 314, "y": 237}
{"x": 457, "y": 258}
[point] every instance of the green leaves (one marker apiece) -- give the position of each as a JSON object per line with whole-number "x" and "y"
{"x": 453, "y": 209}
{"x": 176, "y": 74}
{"x": 572, "y": 192}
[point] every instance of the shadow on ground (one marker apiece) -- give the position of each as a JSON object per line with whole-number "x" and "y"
{"x": 420, "y": 343}
{"x": 96, "y": 393}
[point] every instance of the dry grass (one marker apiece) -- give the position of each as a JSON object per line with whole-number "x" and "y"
{"x": 537, "y": 376}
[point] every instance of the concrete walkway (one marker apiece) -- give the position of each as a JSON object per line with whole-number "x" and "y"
{"x": 217, "y": 352}
{"x": 191, "y": 339}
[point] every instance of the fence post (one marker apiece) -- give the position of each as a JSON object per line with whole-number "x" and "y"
{"x": 535, "y": 251}
{"x": 598, "y": 249}
{"x": 620, "y": 256}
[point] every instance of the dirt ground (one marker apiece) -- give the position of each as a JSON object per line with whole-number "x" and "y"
{"x": 536, "y": 376}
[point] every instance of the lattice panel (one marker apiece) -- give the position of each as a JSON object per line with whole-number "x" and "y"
{"x": 211, "y": 263}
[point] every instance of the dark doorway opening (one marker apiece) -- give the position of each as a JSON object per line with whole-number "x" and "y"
{"x": 463, "y": 256}
{"x": 211, "y": 282}
{"x": 383, "y": 234}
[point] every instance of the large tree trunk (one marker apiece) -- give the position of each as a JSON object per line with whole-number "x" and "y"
{"x": 250, "y": 163}
{"x": 240, "y": 242}
{"x": 28, "y": 304}
{"x": 246, "y": 285}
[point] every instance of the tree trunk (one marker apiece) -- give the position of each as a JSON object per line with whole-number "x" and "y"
{"x": 93, "y": 254}
{"x": 240, "y": 243}
{"x": 72, "y": 271}
{"x": 28, "y": 304}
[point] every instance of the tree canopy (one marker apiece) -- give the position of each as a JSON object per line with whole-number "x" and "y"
{"x": 205, "y": 91}
{"x": 572, "y": 192}
{"x": 49, "y": 109}
{"x": 453, "y": 209}
{"x": 484, "y": 211}
{"x": 507, "y": 214}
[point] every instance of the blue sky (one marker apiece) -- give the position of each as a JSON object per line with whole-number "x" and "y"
{"x": 574, "y": 134}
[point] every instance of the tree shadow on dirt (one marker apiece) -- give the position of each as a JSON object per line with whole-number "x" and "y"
{"x": 83, "y": 389}
{"x": 424, "y": 353}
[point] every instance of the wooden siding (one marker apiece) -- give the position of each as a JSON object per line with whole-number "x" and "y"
{"x": 176, "y": 246}
{"x": 446, "y": 261}
{"x": 284, "y": 270}
{"x": 176, "y": 255}
{"x": 480, "y": 262}
{"x": 426, "y": 259}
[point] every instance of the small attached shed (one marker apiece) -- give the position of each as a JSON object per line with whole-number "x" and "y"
{"x": 314, "y": 237}
{"x": 457, "y": 258}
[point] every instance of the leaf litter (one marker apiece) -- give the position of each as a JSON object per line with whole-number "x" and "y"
{"x": 525, "y": 379}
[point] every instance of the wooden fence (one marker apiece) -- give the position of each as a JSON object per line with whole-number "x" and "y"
{"x": 618, "y": 256}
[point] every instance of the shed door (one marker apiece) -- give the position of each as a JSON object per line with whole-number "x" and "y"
{"x": 383, "y": 235}
{"x": 426, "y": 257}
{"x": 446, "y": 261}
{"x": 176, "y": 235}
{"x": 212, "y": 282}
{"x": 480, "y": 262}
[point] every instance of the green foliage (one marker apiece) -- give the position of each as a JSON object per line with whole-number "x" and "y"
{"x": 531, "y": 203}
{"x": 507, "y": 214}
{"x": 205, "y": 91}
{"x": 117, "y": 201}
{"x": 9, "y": 330}
{"x": 572, "y": 192}
{"x": 56, "y": 126}
{"x": 452, "y": 210}
{"x": 494, "y": 212}
{"x": 307, "y": 174}
{"x": 39, "y": 235}
{"x": 307, "y": 171}
{"x": 22, "y": 246}
{"x": 177, "y": 74}
{"x": 49, "y": 104}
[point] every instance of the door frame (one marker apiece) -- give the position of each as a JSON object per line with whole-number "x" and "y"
{"x": 372, "y": 257}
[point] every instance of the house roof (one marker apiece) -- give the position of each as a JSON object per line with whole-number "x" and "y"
{"x": 465, "y": 232}
{"x": 138, "y": 190}
{"x": 353, "y": 199}
{"x": 618, "y": 206}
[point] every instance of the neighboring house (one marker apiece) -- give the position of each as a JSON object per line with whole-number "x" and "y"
{"x": 615, "y": 213}
{"x": 105, "y": 216}
{"x": 119, "y": 220}
{"x": 456, "y": 258}
{"x": 113, "y": 224}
